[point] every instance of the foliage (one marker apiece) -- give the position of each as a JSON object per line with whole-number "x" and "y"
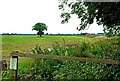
{"x": 87, "y": 12}
{"x": 40, "y": 27}
{"x": 109, "y": 34}
{"x": 79, "y": 70}
{"x": 62, "y": 69}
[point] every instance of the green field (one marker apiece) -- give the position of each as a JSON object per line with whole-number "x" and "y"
{"x": 98, "y": 47}
{"x": 25, "y": 43}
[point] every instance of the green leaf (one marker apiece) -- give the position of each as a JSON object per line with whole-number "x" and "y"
{"x": 66, "y": 53}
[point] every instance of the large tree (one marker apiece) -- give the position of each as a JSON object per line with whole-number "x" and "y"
{"x": 40, "y": 27}
{"x": 105, "y": 13}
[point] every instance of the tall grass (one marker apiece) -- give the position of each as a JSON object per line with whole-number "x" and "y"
{"x": 62, "y": 69}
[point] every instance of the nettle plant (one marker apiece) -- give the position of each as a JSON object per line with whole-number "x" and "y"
{"x": 61, "y": 69}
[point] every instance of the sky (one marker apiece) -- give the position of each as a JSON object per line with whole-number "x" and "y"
{"x": 18, "y": 16}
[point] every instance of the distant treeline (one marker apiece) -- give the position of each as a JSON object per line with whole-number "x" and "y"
{"x": 56, "y": 34}
{"x": 87, "y": 34}
{"x": 78, "y": 34}
{"x": 16, "y": 34}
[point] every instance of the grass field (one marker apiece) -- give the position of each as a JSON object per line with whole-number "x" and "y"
{"x": 25, "y": 43}
{"x": 76, "y": 46}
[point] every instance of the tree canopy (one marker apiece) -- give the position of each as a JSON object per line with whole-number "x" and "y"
{"x": 104, "y": 13}
{"x": 40, "y": 27}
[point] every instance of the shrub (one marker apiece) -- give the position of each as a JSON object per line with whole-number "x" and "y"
{"x": 62, "y": 69}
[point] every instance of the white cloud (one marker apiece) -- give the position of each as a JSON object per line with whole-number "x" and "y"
{"x": 18, "y": 16}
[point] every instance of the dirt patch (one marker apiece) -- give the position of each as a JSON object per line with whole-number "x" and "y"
{"x": 99, "y": 36}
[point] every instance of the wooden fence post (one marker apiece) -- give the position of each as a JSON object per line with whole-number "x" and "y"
{"x": 14, "y": 67}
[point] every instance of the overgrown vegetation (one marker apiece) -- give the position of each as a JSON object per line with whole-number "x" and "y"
{"x": 62, "y": 69}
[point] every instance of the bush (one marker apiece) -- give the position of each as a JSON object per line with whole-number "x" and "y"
{"x": 62, "y": 69}
{"x": 80, "y": 70}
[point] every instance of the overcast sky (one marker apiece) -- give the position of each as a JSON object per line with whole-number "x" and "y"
{"x": 18, "y": 16}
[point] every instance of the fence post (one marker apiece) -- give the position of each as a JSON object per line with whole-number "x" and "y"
{"x": 14, "y": 67}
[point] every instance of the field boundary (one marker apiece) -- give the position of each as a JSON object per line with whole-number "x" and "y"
{"x": 15, "y": 54}
{"x": 43, "y": 56}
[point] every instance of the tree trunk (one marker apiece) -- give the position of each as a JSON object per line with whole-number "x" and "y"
{"x": 40, "y": 35}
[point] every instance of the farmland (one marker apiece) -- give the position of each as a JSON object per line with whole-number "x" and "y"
{"x": 76, "y": 46}
{"x": 25, "y": 43}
